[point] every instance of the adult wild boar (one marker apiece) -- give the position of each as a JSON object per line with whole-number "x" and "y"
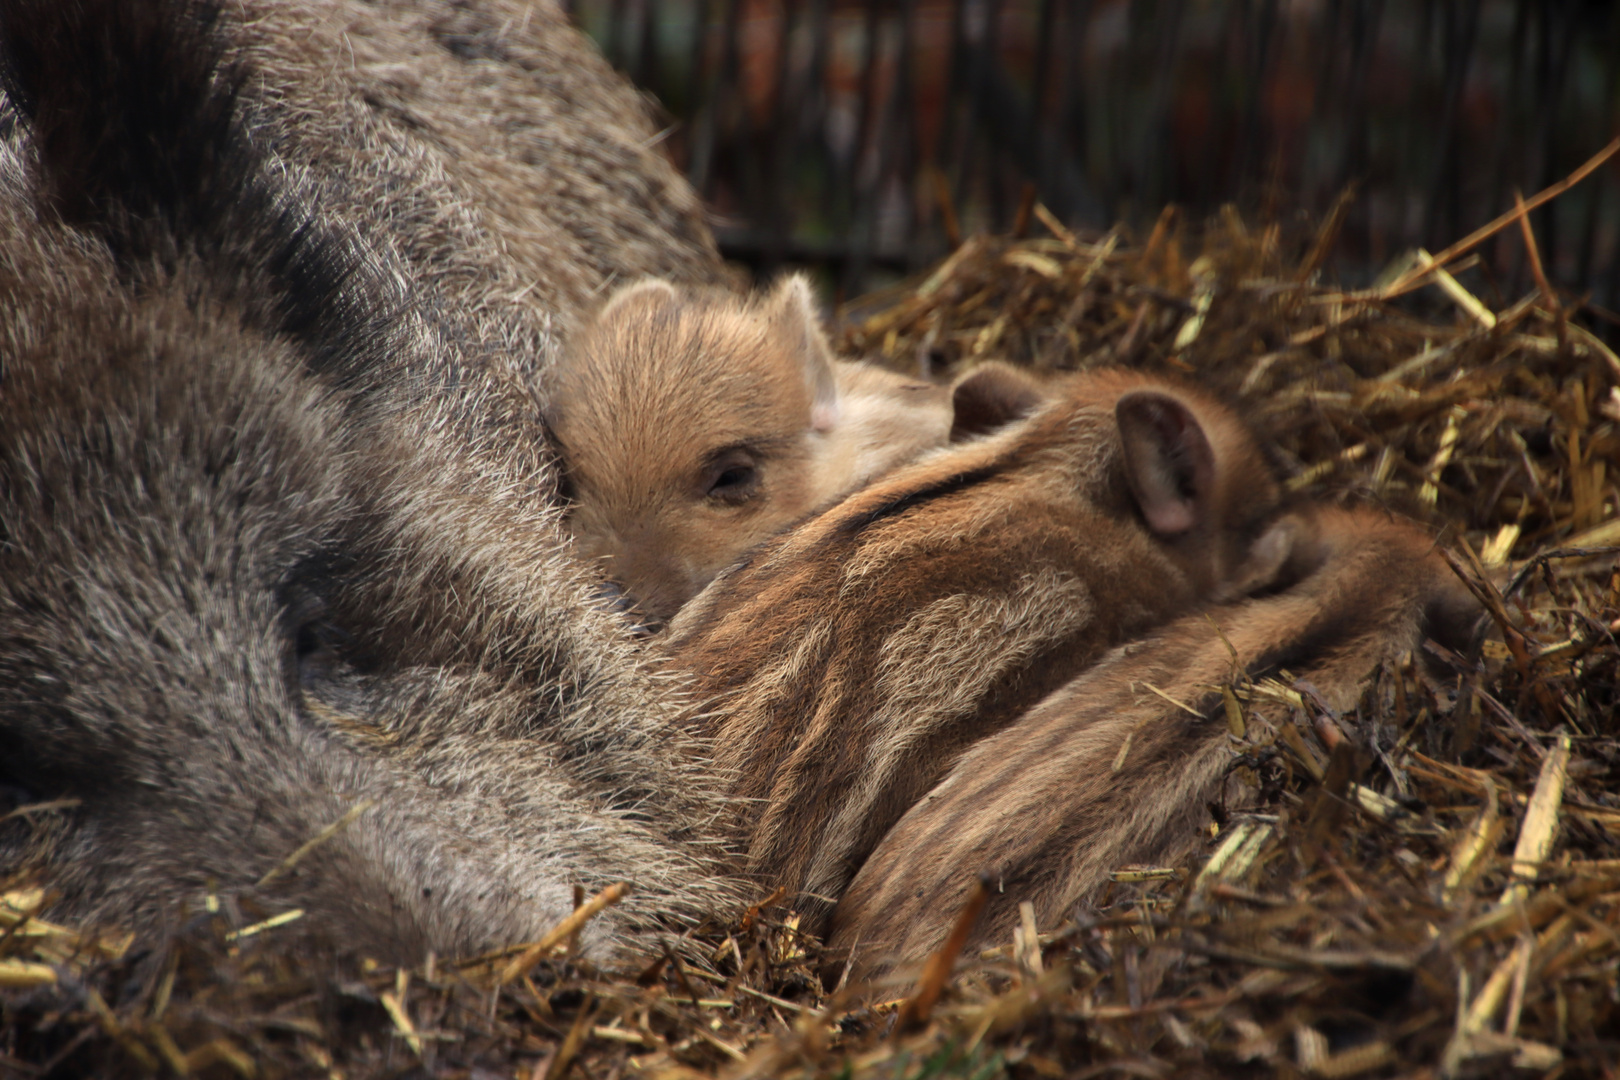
{"x": 274, "y": 538}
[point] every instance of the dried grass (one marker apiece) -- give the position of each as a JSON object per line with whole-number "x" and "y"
{"x": 1432, "y": 888}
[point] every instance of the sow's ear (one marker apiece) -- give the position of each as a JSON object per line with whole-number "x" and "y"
{"x": 991, "y": 396}
{"x": 791, "y": 310}
{"x": 1168, "y": 460}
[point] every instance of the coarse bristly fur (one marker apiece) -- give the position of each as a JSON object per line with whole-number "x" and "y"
{"x": 279, "y": 545}
{"x": 1105, "y": 772}
{"x": 851, "y": 660}
{"x": 693, "y": 425}
{"x": 275, "y": 541}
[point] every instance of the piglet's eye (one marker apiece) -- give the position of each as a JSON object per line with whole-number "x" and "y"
{"x": 732, "y": 478}
{"x": 735, "y": 477}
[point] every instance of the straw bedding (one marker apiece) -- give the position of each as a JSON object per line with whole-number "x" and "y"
{"x": 1442, "y": 898}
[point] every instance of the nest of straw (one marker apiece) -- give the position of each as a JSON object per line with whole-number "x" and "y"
{"x": 1445, "y": 902}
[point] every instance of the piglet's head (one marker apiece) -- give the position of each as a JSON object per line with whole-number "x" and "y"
{"x": 1202, "y": 485}
{"x": 1194, "y": 474}
{"x": 687, "y": 422}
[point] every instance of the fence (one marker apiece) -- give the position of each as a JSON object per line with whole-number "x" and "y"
{"x": 863, "y": 137}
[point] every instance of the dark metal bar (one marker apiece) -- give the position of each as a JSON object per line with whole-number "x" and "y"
{"x": 1072, "y": 125}
{"x": 874, "y": 162}
{"x": 646, "y": 65}
{"x": 980, "y": 56}
{"x": 723, "y": 79}
{"x": 697, "y": 74}
{"x": 1260, "y": 36}
{"x": 953, "y": 119}
{"x": 907, "y": 139}
{"x": 1155, "y": 149}
{"x": 1508, "y": 148}
{"x": 1561, "y": 26}
{"x": 1443, "y": 214}
{"x": 1594, "y": 213}
{"x": 815, "y": 152}
{"x": 615, "y": 46}
{"x": 777, "y": 143}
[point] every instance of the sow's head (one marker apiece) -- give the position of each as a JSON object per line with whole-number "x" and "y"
{"x": 269, "y": 563}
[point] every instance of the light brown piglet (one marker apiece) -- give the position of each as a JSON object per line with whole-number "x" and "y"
{"x": 1107, "y": 772}
{"x": 693, "y": 425}
{"x": 851, "y": 661}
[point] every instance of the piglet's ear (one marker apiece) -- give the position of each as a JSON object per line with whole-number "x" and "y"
{"x": 1168, "y": 460}
{"x": 648, "y": 293}
{"x": 791, "y": 310}
{"x": 990, "y": 397}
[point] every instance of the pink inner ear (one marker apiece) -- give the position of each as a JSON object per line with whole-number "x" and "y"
{"x": 1168, "y": 460}
{"x": 1169, "y": 517}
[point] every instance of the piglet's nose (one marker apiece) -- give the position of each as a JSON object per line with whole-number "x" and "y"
{"x": 612, "y": 597}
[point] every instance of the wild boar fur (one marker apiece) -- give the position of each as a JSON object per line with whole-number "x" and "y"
{"x": 279, "y": 284}
{"x": 275, "y": 532}
{"x": 1107, "y": 772}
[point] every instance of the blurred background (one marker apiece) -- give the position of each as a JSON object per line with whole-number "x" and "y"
{"x": 864, "y": 138}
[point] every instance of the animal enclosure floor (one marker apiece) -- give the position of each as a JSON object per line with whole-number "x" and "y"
{"x": 1429, "y": 885}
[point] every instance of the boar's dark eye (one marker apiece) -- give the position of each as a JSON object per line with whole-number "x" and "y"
{"x": 732, "y": 477}
{"x": 318, "y": 644}
{"x": 306, "y": 641}
{"x": 317, "y": 648}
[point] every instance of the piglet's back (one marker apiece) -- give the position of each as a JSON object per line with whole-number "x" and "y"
{"x": 852, "y": 660}
{"x": 1107, "y": 772}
